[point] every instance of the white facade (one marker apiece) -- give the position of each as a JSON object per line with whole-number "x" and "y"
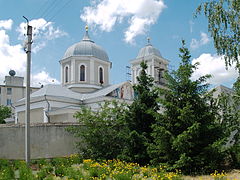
{"x": 85, "y": 70}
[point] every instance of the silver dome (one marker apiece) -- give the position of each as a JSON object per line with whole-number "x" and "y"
{"x": 148, "y": 50}
{"x": 86, "y": 47}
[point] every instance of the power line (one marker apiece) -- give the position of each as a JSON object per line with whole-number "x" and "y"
{"x": 42, "y": 7}
{"x": 56, "y": 13}
{"x": 50, "y": 9}
{"x": 65, "y": 5}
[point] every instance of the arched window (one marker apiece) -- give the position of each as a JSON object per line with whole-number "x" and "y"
{"x": 82, "y": 73}
{"x": 66, "y": 74}
{"x": 101, "y": 75}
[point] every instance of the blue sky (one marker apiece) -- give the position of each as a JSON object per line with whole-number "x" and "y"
{"x": 121, "y": 27}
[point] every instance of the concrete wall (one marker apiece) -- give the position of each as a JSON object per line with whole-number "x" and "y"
{"x": 47, "y": 141}
{"x": 36, "y": 116}
{"x": 62, "y": 118}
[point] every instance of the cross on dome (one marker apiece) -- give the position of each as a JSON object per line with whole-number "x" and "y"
{"x": 86, "y": 36}
{"x": 148, "y": 41}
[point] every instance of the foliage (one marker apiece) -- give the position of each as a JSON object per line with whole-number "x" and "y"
{"x": 5, "y": 112}
{"x": 229, "y": 116}
{"x": 87, "y": 169}
{"x": 101, "y": 133}
{"x": 139, "y": 118}
{"x": 224, "y": 26}
{"x": 128, "y": 126}
{"x": 24, "y": 171}
{"x": 187, "y": 135}
{"x": 6, "y": 170}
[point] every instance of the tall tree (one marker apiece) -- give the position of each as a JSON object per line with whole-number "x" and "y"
{"x": 5, "y": 112}
{"x": 224, "y": 25}
{"x": 139, "y": 118}
{"x": 186, "y": 135}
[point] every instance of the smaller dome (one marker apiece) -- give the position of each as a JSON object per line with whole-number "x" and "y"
{"x": 148, "y": 50}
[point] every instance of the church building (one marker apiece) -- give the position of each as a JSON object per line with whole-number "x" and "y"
{"x": 85, "y": 69}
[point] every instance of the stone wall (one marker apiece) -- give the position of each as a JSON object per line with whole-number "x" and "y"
{"x": 47, "y": 141}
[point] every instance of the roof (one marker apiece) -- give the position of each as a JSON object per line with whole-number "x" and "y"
{"x": 62, "y": 92}
{"x": 148, "y": 50}
{"x": 104, "y": 91}
{"x": 56, "y": 91}
{"x": 222, "y": 89}
{"x": 86, "y": 47}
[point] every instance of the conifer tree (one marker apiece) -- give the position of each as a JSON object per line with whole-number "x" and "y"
{"x": 186, "y": 135}
{"x": 139, "y": 118}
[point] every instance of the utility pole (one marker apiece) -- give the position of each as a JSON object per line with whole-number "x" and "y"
{"x": 27, "y": 99}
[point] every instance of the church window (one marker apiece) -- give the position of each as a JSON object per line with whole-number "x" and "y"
{"x": 101, "y": 75}
{"x": 9, "y": 102}
{"x": 82, "y": 73}
{"x": 66, "y": 74}
{"x": 9, "y": 91}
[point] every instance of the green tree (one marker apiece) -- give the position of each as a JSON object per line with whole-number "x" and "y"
{"x": 5, "y": 112}
{"x": 101, "y": 133}
{"x": 139, "y": 118}
{"x": 224, "y": 25}
{"x": 187, "y": 135}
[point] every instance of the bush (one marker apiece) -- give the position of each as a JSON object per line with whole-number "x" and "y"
{"x": 101, "y": 133}
{"x": 5, "y": 112}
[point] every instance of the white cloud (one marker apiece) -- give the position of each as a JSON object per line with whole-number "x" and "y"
{"x": 6, "y": 24}
{"x": 43, "y": 78}
{"x": 214, "y": 65}
{"x": 198, "y": 43}
{"x": 43, "y": 31}
{"x": 13, "y": 57}
{"x": 140, "y": 14}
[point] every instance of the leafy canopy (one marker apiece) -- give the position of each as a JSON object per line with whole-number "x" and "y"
{"x": 224, "y": 25}
{"x": 101, "y": 133}
{"x": 5, "y": 112}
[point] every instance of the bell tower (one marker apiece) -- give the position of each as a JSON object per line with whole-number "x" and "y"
{"x": 157, "y": 65}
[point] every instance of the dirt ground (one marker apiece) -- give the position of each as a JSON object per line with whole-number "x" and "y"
{"x": 233, "y": 175}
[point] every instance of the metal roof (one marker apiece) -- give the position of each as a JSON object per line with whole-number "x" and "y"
{"x": 148, "y": 50}
{"x": 86, "y": 47}
{"x": 62, "y": 92}
{"x": 104, "y": 91}
{"x": 57, "y": 91}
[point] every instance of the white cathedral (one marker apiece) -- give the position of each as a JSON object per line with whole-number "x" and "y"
{"x": 85, "y": 70}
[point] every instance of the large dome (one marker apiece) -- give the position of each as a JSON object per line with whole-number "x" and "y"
{"x": 86, "y": 47}
{"x": 148, "y": 50}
